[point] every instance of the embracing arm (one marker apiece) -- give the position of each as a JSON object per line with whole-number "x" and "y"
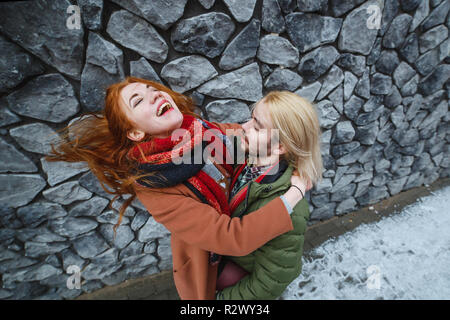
{"x": 201, "y": 225}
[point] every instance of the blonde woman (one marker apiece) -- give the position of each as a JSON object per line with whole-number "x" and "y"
{"x": 287, "y": 126}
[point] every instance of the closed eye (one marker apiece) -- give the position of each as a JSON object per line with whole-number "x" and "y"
{"x": 137, "y": 102}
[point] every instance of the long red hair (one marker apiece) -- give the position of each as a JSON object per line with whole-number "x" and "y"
{"x": 100, "y": 139}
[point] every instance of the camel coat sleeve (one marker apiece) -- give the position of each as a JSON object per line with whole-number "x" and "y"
{"x": 200, "y": 225}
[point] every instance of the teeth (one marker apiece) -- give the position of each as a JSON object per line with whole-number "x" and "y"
{"x": 163, "y": 108}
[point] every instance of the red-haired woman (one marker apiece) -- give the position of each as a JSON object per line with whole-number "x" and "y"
{"x": 128, "y": 147}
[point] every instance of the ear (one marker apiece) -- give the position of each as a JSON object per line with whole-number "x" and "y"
{"x": 280, "y": 149}
{"x": 136, "y": 135}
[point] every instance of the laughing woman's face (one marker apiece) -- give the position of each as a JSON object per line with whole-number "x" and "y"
{"x": 151, "y": 111}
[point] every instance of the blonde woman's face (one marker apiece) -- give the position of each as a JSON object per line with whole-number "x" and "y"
{"x": 259, "y": 135}
{"x": 152, "y": 111}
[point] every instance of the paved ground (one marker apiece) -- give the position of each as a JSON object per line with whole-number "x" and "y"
{"x": 317, "y": 238}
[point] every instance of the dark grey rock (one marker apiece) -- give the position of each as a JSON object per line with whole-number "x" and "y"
{"x": 337, "y": 98}
{"x": 432, "y": 38}
{"x": 427, "y": 62}
{"x": 346, "y": 206}
{"x": 373, "y": 195}
{"x": 324, "y": 212}
{"x": 317, "y": 62}
{"x": 72, "y": 227}
{"x": 47, "y": 19}
{"x": 124, "y": 235}
{"x": 396, "y": 186}
{"x": 48, "y": 97}
{"x": 90, "y": 208}
{"x": 406, "y": 138}
{"x": 354, "y": 63}
{"x": 328, "y": 116}
{"x": 272, "y": 17}
{"x": 91, "y": 12}
{"x": 395, "y": 35}
{"x": 242, "y": 49}
{"x": 436, "y": 17}
{"x": 403, "y": 73}
{"x": 352, "y": 107}
{"x": 16, "y": 65}
{"x": 312, "y": 5}
{"x": 364, "y": 119}
{"x": 283, "y": 79}
{"x": 152, "y": 230}
{"x": 244, "y": 83}
{"x": 19, "y": 189}
{"x": 206, "y": 34}
{"x": 14, "y": 161}
{"x": 373, "y": 103}
{"x": 100, "y": 71}
{"x": 390, "y": 11}
{"x": 188, "y": 72}
{"x": 344, "y": 132}
{"x": 60, "y": 171}
{"x": 387, "y": 62}
{"x": 35, "y": 137}
{"x": 410, "y": 87}
{"x": 320, "y": 199}
{"x": 309, "y": 91}
{"x": 288, "y": 6}
{"x": 33, "y": 273}
{"x": 90, "y": 245}
{"x": 422, "y": 12}
{"x": 111, "y": 217}
{"x": 37, "y": 249}
{"x": 138, "y": 35}
{"x": 308, "y": 30}
{"x": 410, "y": 48}
{"x": 67, "y": 193}
{"x": 135, "y": 248}
{"x": 334, "y": 77}
{"x": 340, "y": 150}
{"x": 207, "y": 4}
{"x": 340, "y": 7}
{"x": 412, "y": 105}
{"x": 386, "y": 132}
{"x": 142, "y": 69}
{"x": 38, "y": 212}
{"x": 351, "y": 38}
{"x": 362, "y": 88}
{"x": 102, "y": 266}
{"x": 393, "y": 99}
{"x": 277, "y": 50}
{"x": 409, "y": 5}
{"x": 375, "y": 52}
{"x": 367, "y": 134}
{"x": 351, "y": 157}
{"x": 231, "y": 111}
{"x": 344, "y": 193}
{"x": 139, "y": 220}
{"x": 162, "y": 13}
{"x": 70, "y": 258}
{"x": 380, "y": 84}
{"x": 91, "y": 183}
{"x": 241, "y": 10}
{"x": 435, "y": 80}
{"x": 6, "y": 116}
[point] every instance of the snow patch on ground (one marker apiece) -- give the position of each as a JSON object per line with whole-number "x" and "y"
{"x": 405, "y": 256}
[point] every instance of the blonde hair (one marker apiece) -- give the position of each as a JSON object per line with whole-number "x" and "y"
{"x": 299, "y": 132}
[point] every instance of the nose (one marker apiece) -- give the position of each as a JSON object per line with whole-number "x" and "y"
{"x": 154, "y": 95}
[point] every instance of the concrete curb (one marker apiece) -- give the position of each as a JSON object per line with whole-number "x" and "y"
{"x": 161, "y": 286}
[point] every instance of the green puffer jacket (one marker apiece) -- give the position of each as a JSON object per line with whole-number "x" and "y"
{"x": 276, "y": 264}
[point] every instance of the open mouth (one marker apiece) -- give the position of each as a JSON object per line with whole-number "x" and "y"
{"x": 163, "y": 109}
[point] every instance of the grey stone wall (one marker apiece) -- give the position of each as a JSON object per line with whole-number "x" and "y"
{"x": 381, "y": 93}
